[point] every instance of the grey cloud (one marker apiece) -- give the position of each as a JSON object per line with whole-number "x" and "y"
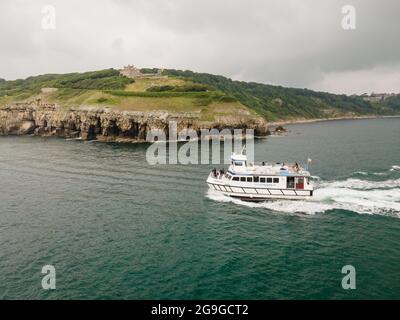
{"x": 286, "y": 42}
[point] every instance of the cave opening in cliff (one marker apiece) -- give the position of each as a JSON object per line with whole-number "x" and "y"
{"x": 91, "y": 132}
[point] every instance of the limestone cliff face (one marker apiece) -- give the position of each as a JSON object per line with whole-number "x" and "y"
{"x": 108, "y": 124}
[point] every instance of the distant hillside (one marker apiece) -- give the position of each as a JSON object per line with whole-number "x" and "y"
{"x": 108, "y": 88}
{"x": 209, "y": 95}
{"x": 392, "y": 102}
{"x": 276, "y": 102}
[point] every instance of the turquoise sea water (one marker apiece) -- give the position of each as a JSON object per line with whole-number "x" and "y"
{"x": 115, "y": 227}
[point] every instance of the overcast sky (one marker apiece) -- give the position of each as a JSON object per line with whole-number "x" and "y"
{"x": 296, "y": 43}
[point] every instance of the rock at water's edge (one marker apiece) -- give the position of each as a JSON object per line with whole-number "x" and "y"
{"x": 107, "y": 124}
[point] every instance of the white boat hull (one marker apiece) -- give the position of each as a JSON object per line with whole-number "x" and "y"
{"x": 259, "y": 194}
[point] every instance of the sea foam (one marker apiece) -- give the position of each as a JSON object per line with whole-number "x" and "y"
{"x": 360, "y": 196}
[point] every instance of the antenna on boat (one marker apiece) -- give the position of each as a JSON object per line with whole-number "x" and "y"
{"x": 309, "y": 161}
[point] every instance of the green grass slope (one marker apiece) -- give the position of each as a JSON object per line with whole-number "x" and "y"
{"x": 276, "y": 102}
{"x": 176, "y": 90}
{"x": 107, "y": 88}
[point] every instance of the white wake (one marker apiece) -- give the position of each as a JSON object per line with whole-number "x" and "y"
{"x": 360, "y": 196}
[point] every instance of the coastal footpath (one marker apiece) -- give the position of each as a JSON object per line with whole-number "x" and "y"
{"x": 108, "y": 124}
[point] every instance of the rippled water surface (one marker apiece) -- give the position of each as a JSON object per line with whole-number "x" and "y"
{"x": 115, "y": 227}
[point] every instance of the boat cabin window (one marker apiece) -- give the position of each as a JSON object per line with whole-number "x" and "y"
{"x": 243, "y": 179}
{"x": 228, "y": 176}
{"x": 249, "y": 179}
{"x": 276, "y": 180}
{"x": 235, "y": 179}
{"x": 269, "y": 180}
{"x": 290, "y": 182}
{"x": 256, "y": 179}
{"x": 262, "y": 180}
{"x": 300, "y": 183}
{"x": 239, "y": 163}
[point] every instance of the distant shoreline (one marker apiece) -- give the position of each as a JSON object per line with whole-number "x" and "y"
{"x": 302, "y": 121}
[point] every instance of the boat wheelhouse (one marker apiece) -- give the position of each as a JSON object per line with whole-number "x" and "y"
{"x": 261, "y": 182}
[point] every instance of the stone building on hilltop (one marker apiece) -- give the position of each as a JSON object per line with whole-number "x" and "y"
{"x": 377, "y": 97}
{"x": 131, "y": 71}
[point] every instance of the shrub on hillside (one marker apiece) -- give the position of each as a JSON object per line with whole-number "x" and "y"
{"x": 194, "y": 87}
{"x": 103, "y": 79}
{"x": 109, "y": 79}
{"x": 184, "y": 88}
{"x": 160, "y": 88}
{"x": 149, "y": 70}
{"x": 228, "y": 99}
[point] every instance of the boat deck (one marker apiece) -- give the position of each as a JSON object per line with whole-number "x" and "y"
{"x": 277, "y": 169}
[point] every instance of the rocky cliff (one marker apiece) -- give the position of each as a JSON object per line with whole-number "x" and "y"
{"x": 108, "y": 124}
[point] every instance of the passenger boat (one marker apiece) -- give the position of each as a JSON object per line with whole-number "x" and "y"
{"x": 262, "y": 182}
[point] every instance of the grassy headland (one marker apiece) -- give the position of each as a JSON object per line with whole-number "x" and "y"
{"x": 176, "y": 90}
